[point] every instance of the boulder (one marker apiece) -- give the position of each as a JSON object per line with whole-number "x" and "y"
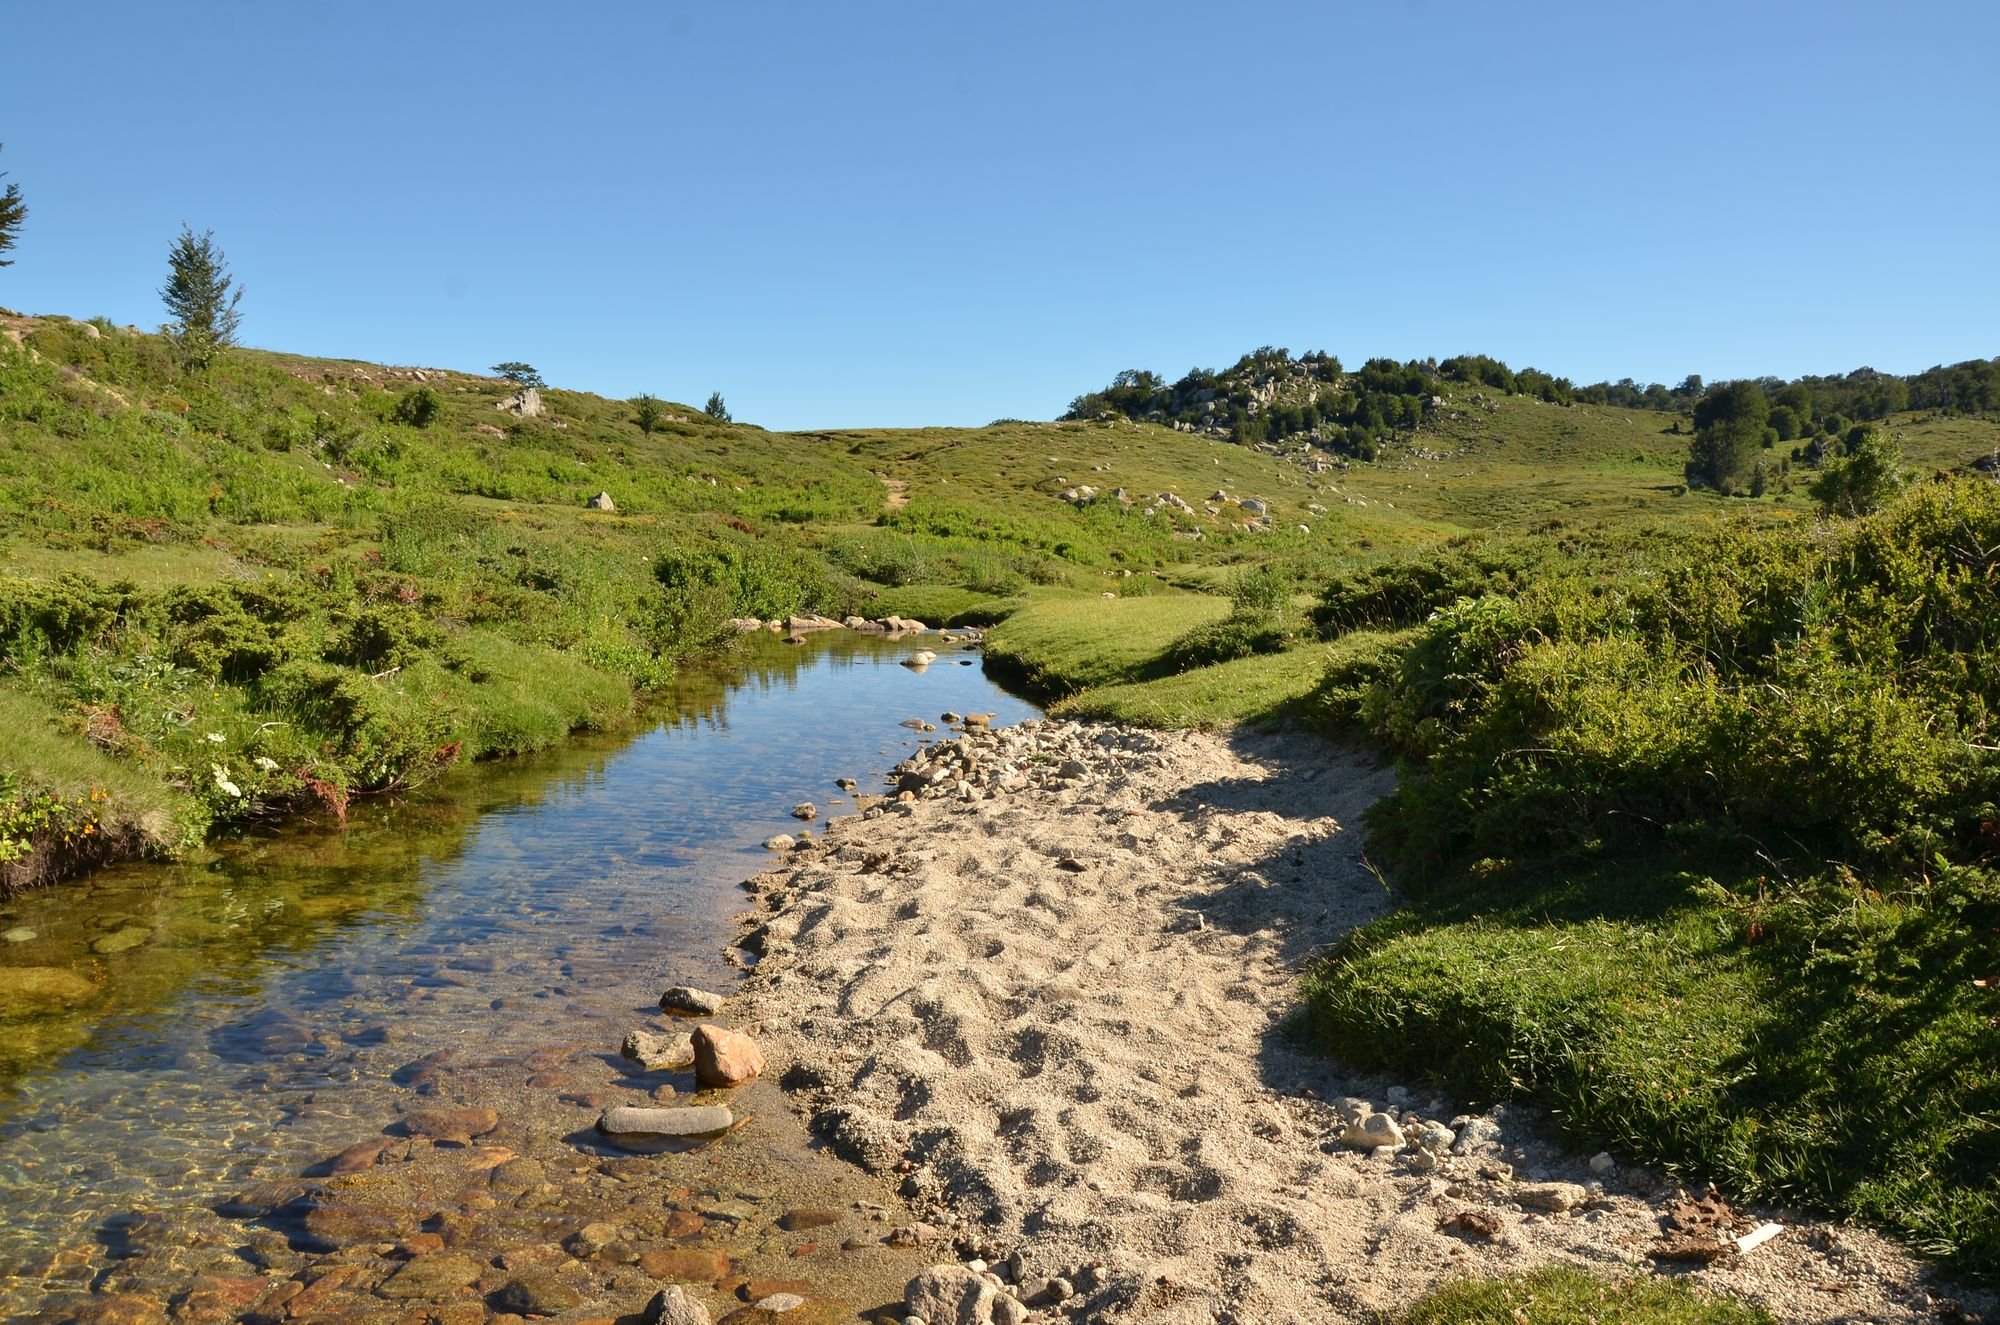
{"x": 805, "y": 810}
{"x": 602, "y": 502}
{"x": 523, "y": 404}
{"x": 919, "y": 660}
{"x": 725, "y": 1057}
{"x": 780, "y": 842}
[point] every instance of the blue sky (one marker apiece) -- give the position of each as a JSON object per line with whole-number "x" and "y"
{"x": 943, "y": 213}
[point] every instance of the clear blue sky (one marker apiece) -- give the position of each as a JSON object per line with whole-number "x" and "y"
{"x": 946, "y": 213}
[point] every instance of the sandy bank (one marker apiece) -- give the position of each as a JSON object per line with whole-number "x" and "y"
{"x": 1057, "y": 1012}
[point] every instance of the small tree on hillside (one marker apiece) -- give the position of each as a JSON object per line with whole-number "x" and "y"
{"x": 1864, "y": 479}
{"x": 201, "y": 299}
{"x": 1730, "y": 421}
{"x": 12, "y": 213}
{"x": 522, "y": 375}
{"x": 646, "y": 413}
{"x": 715, "y": 409}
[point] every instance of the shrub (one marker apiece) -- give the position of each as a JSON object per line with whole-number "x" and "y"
{"x": 417, "y": 408}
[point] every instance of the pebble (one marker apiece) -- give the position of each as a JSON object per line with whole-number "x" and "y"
{"x": 1601, "y": 1162}
{"x": 780, "y": 842}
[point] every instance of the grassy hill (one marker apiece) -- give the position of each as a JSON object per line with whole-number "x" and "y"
{"x": 1697, "y": 807}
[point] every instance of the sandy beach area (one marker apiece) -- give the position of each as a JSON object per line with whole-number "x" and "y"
{"x": 1049, "y": 992}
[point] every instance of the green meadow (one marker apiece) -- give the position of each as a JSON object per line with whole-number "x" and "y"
{"x": 1697, "y": 805}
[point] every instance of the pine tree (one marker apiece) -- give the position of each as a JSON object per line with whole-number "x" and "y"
{"x": 646, "y": 412}
{"x": 12, "y": 213}
{"x": 715, "y": 409}
{"x": 201, "y": 299}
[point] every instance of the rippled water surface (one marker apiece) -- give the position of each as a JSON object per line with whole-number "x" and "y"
{"x": 171, "y": 1033}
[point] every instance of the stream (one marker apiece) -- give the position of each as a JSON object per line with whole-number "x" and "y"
{"x": 182, "y": 1043}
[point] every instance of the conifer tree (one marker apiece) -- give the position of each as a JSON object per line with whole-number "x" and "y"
{"x": 201, "y": 299}
{"x": 12, "y": 213}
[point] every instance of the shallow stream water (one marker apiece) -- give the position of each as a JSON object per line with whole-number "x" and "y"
{"x": 173, "y": 1034}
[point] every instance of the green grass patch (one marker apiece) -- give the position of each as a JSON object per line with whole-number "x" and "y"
{"x": 1265, "y": 688}
{"x": 1564, "y": 1295}
{"x": 1062, "y": 646}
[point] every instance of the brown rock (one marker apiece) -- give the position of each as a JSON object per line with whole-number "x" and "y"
{"x": 756, "y": 1290}
{"x": 725, "y": 1057}
{"x": 684, "y": 1224}
{"x": 431, "y": 1279}
{"x": 312, "y": 1302}
{"x": 459, "y": 1125}
{"x": 419, "y": 1244}
{"x": 361, "y": 1155}
{"x": 795, "y": 1221}
{"x": 685, "y": 1265}
{"x": 214, "y": 1298}
{"x": 121, "y": 1309}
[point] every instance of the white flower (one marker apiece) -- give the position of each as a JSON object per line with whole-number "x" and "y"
{"x": 223, "y": 783}
{"x": 265, "y": 762}
{"x": 217, "y": 737}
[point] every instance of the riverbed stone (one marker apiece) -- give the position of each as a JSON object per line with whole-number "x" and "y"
{"x": 28, "y": 990}
{"x": 689, "y": 1265}
{"x": 122, "y": 940}
{"x": 674, "y": 1305}
{"x": 458, "y": 1125}
{"x": 18, "y": 934}
{"x": 724, "y": 1057}
{"x": 798, "y": 1221}
{"x": 687, "y": 1001}
{"x": 658, "y": 1053}
{"x": 780, "y": 842}
{"x": 629, "y": 1120}
{"x": 537, "y": 1292}
{"x": 431, "y": 1279}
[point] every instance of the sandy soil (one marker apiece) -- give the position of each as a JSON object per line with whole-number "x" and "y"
{"x": 1058, "y": 1014}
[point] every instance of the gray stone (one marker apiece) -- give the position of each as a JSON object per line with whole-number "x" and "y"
{"x": 1554, "y": 1197}
{"x": 1601, "y": 1162}
{"x": 523, "y": 404}
{"x": 631, "y": 1120}
{"x": 779, "y": 1303}
{"x": 675, "y": 1305}
{"x": 1372, "y": 1131}
{"x": 659, "y": 1053}
{"x": 805, "y": 810}
{"x": 1435, "y": 1136}
{"x": 19, "y": 934}
{"x": 689, "y": 1001}
{"x": 602, "y": 502}
{"x": 780, "y": 842}
{"x": 952, "y": 1295}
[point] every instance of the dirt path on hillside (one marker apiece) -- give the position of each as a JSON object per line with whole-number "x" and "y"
{"x": 899, "y": 492}
{"x": 1057, "y": 1013}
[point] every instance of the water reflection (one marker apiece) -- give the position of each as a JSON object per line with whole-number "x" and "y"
{"x": 172, "y": 1032}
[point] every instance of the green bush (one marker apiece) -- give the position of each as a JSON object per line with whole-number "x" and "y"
{"x": 418, "y": 407}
